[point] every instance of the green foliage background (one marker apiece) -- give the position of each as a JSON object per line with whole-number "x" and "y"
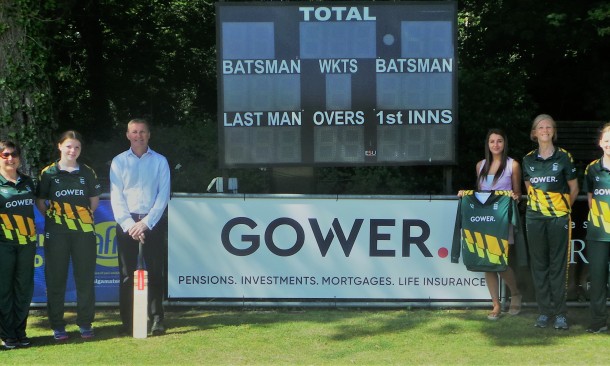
{"x": 92, "y": 66}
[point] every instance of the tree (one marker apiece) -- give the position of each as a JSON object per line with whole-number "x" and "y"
{"x": 25, "y": 96}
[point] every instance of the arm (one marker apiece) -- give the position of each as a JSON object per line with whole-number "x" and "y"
{"x": 162, "y": 194}
{"x": 516, "y": 180}
{"x": 117, "y": 199}
{"x": 93, "y": 203}
{"x": 573, "y": 184}
{"x": 589, "y": 199}
{"x": 41, "y": 204}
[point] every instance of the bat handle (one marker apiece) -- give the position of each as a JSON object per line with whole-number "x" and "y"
{"x": 141, "y": 254}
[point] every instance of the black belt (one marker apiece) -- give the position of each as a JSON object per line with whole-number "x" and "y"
{"x": 138, "y": 217}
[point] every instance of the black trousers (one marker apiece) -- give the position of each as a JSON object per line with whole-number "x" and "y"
{"x": 549, "y": 246}
{"x": 597, "y": 254}
{"x": 155, "y": 258}
{"x": 16, "y": 287}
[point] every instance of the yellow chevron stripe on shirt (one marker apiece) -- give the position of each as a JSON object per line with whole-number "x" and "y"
{"x": 599, "y": 215}
{"x": 487, "y": 247}
{"x": 469, "y": 240}
{"x": 549, "y": 203}
{"x": 23, "y": 230}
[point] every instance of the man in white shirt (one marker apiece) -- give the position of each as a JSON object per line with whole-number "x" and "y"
{"x": 139, "y": 193}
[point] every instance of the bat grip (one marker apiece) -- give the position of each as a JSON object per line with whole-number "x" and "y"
{"x": 140, "y": 255}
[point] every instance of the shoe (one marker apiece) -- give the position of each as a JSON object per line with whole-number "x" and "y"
{"x": 60, "y": 334}
{"x": 515, "y": 304}
{"x": 10, "y": 343}
{"x": 561, "y": 322}
{"x": 125, "y": 330}
{"x": 597, "y": 328}
{"x": 542, "y": 321}
{"x": 157, "y": 328}
{"x": 86, "y": 332}
{"x": 24, "y": 342}
{"x": 494, "y": 315}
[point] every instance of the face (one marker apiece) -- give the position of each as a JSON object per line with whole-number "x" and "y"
{"x": 9, "y": 159}
{"x": 495, "y": 144}
{"x": 544, "y": 131}
{"x": 69, "y": 149}
{"x": 138, "y": 134}
{"x": 604, "y": 143}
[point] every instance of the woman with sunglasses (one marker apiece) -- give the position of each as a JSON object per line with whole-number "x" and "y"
{"x": 68, "y": 194}
{"x": 17, "y": 247}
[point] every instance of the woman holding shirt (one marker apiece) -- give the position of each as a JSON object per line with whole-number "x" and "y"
{"x": 500, "y": 172}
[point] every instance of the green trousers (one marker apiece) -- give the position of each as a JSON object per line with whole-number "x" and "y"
{"x": 16, "y": 287}
{"x": 597, "y": 255}
{"x": 548, "y": 240}
{"x": 59, "y": 248}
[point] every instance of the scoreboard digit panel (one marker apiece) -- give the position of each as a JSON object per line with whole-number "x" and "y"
{"x": 336, "y": 83}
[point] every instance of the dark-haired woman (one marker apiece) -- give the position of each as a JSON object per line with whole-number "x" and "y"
{"x": 68, "y": 194}
{"x": 17, "y": 247}
{"x": 500, "y": 172}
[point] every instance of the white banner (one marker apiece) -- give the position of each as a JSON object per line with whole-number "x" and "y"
{"x": 316, "y": 248}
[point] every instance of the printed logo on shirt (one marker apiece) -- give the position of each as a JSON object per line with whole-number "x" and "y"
{"x": 548, "y": 179}
{"x": 483, "y": 219}
{"x": 495, "y": 206}
{"x": 555, "y": 167}
{"x": 532, "y": 168}
{"x": 82, "y": 180}
{"x": 597, "y": 179}
{"x": 601, "y": 192}
{"x": 56, "y": 180}
{"x": 471, "y": 206}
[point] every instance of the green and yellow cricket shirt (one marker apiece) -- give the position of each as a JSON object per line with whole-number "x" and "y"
{"x": 549, "y": 193}
{"x": 481, "y": 232}
{"x": 17, "y": 210}
{"x": 68, "y": 194}
{"x": 597, "y": 182}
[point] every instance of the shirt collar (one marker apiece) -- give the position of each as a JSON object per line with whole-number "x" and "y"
{"x": 148, "y": 150}
{"x": 601, "y": 165}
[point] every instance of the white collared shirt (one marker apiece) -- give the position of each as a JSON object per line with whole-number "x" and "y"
{"x": 140, "y": 186}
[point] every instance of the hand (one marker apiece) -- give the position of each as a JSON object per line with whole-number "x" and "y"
{"x": 515, "y": 196}
{"x": 460, "y": 193}
{"x": 137, "y": 231}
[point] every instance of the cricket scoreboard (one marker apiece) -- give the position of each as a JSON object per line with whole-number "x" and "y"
{"x": 336, "y": 83}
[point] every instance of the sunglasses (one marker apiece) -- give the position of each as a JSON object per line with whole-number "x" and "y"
{"x": 5, "y": 155}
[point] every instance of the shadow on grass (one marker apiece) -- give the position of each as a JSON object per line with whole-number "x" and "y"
{"x": 345, "y": 325}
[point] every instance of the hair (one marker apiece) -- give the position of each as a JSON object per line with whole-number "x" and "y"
{"x": 605, "y": 128}
{"x": 11, "y": 145}
{"x": 488, "y": 157}
{"x": 539, "y": 118}
{"x": 70, "y": 135}
{"x": 138, "y": 120}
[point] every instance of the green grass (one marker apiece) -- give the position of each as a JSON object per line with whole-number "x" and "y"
{"x": 321, "y": 337}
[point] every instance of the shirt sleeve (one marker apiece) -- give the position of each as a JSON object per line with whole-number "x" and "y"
{"x": 42, "y": 189}
{"x": 118, "y": 202}
{"x": 570, "y": 168}
{"x": 588, "y": 183}
{"x": 93, "y": 185}
{"x": 163, "y": 194}
{"x": 456, "y": 245}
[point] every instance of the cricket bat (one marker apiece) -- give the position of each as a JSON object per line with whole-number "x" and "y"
{"x": 140, "y": 296}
